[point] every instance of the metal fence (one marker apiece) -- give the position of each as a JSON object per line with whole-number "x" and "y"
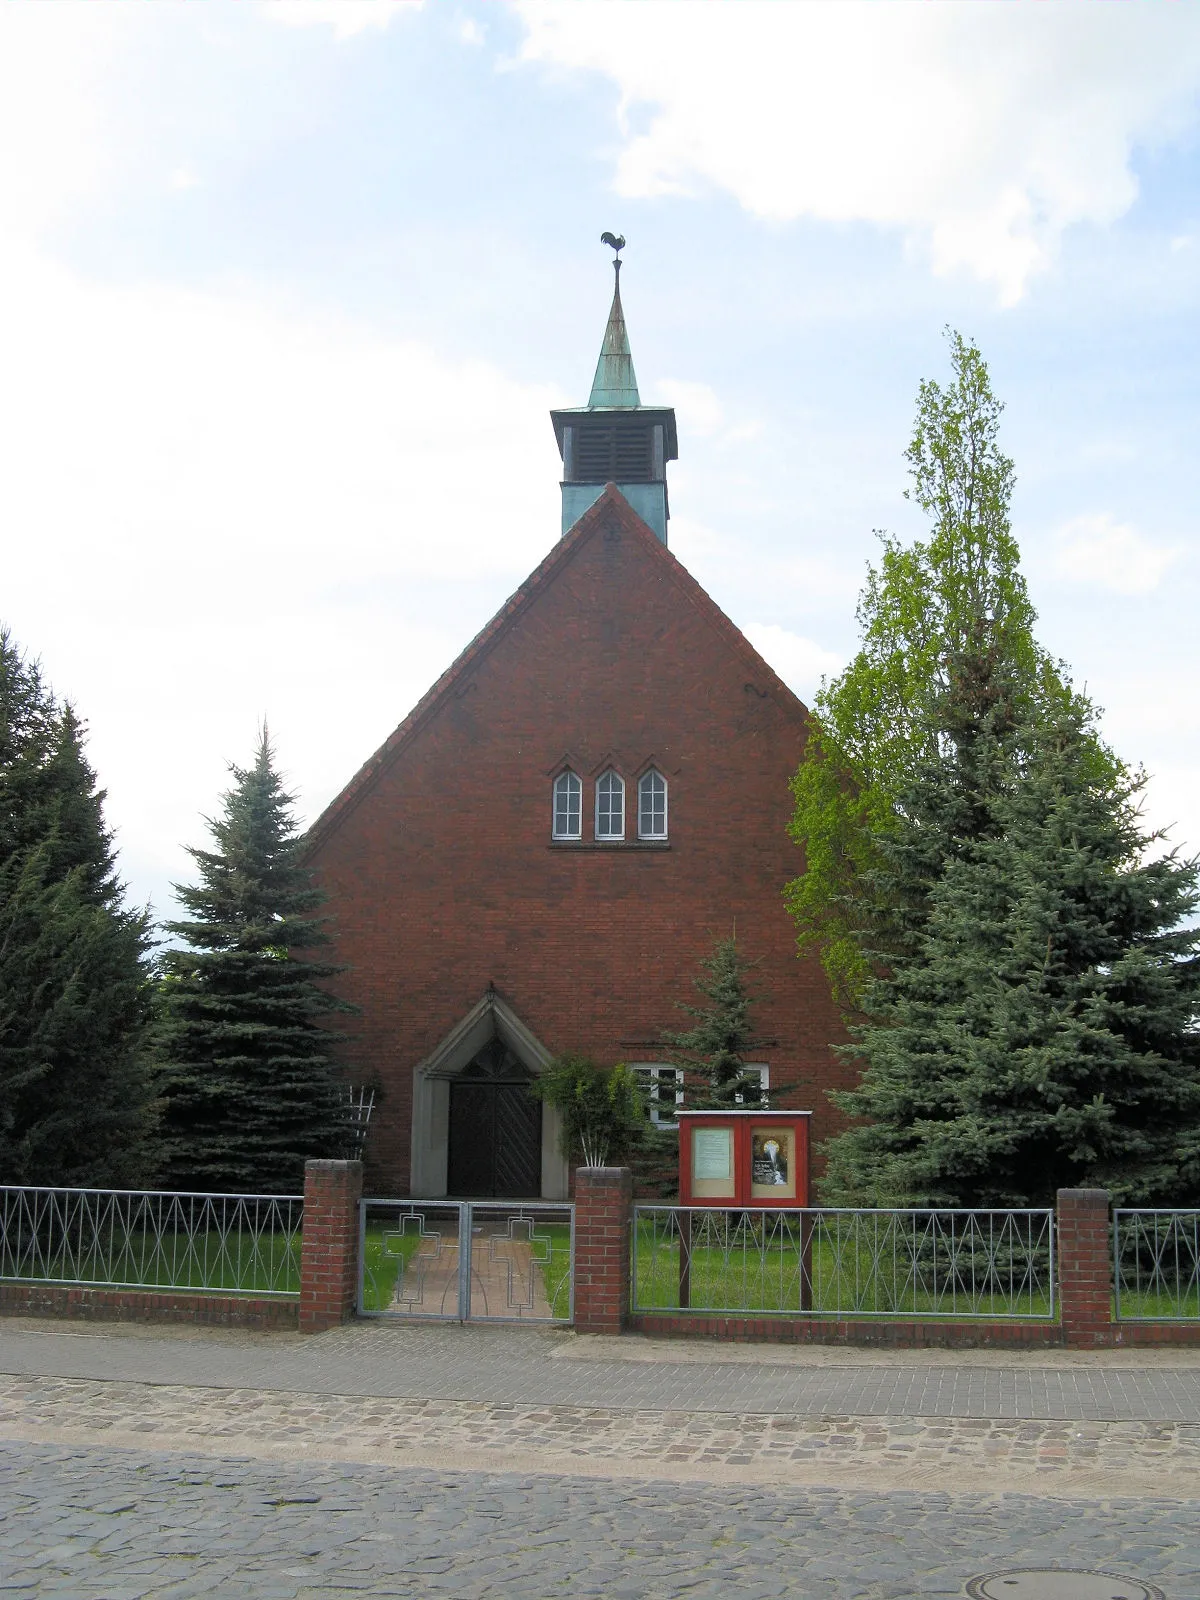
{"x": 466, "y": 1261}
{"x": 1156, "y": 1264}
{"x": 841, "y": 1263}
{"x": 152, "y": 1239}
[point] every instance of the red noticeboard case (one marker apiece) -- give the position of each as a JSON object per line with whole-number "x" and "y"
{"x": 744, "y": 1158}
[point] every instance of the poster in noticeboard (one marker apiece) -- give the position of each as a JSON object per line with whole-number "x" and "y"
{"x": 712, "y": 1163}
{"x": 772, "y": 1163}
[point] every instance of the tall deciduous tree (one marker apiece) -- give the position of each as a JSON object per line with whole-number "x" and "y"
{"x": 947, "y": 637}
{"x": 76, "y": 987}
{"x": 712, "y": 1052}
{"x": 250, "y": 1084}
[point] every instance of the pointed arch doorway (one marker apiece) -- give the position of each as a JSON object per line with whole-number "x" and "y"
{"x": 495, "y": 1133}
{"x": 477, "y": 1131}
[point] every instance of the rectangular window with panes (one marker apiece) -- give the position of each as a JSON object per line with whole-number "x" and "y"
{"x": 665, "y": 1089}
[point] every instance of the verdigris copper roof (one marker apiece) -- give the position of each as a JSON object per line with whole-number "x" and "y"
{"x": 615, "y": 385}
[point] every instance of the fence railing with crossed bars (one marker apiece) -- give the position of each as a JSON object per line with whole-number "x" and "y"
{"x": 838, "y": 1263}
{"x": 152, "y": 1239}
{"x": 468, "y": 1260}
{"x": 1156, "y": 1264}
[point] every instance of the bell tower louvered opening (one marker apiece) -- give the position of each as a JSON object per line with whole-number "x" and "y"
{"x": 615, "y": 451}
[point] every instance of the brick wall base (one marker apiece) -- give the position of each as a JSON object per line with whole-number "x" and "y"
{"x": 146, "y": 1305}
{"x": 825, "y": 1330}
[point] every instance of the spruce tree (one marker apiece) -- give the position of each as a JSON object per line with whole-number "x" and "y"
{"x": 712, "y": 1052}
{"x": 76, "y": 986}
{"x": 250, "y": 1083}
{"x": 1039, "y": 1031}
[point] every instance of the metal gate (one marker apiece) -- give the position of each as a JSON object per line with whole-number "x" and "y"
{"x": 466, "y": 1260}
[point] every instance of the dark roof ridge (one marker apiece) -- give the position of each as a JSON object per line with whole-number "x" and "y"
{"x": 611, "y": 504}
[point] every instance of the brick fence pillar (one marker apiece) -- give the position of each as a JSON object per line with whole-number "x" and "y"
{"x": 603, "y": 1211}
{"x": 329, "y": 1248}
{"x": 1084, "y": 1267}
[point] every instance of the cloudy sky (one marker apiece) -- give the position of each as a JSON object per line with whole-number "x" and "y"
{"x": 288, "y": 288}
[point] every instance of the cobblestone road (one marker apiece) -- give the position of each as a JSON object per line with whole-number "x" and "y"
{"x": 1071, "y": 1457}
{"x": 491, "y": 1462}
{"x": 98, "y": 1524}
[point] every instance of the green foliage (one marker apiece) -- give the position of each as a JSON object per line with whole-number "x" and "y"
{"x": 1040, "y": 1030}
{"x": 947, "y": 637}
{"x": 249, "y": 1080}
{"x": 713, "y": 1050}
{"x": 602, "y": 1108}
{"x": 993, "y": 915}
{"x": 76, "y": 990}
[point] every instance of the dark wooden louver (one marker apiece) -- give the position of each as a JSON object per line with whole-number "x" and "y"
{"x": 614, "y": 452}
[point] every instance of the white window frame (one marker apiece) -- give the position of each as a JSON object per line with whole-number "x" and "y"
{"x": 665, "y": 1092}
{"x": 764, "y": 1078}
{"x": 649, "y": 774}
{"x": 610, "y": 773}
{"x": 564, "y": 780}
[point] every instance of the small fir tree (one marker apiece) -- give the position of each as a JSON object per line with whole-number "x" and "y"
{"x": 249, "y": 1079}
{"x": 76, "y": 986}
{"x": 712, "y": 1052}
{"x": 1039, "y": 1031}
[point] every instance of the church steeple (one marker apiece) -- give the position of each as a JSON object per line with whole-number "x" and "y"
{"x": 615, "y": 438}
{"x": 615, "y": 385}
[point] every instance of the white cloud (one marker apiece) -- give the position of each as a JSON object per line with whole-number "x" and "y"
{"x": 344, "y": 17}
{"x": 800, "y": 662}
{"x": 470, "y": 32}
{"x": 982, "y": 131}
{"x": 52, "y": 59}
{"x": 1099, "y": 550}
{"x": 696, "y": 404}
{"x": 214, "y": 508}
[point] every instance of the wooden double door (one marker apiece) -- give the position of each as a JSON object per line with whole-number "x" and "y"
{"x": 495, "y": 1148}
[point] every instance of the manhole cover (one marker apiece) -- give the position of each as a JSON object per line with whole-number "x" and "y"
{"x": 1049, "y": 1583}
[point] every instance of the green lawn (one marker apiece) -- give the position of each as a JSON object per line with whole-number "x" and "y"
{"x": 845, "y": 1279}
{"x": 1157, "y": 1305}
{"x": 387, "y": 1249}
{"x": 556, "y": 1272}
{"x": 233, "y": 1262}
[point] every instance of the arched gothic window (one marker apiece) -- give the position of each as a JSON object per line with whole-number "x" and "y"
{"x": 652, "y": 805}
{"x": 610, "y": 806}
{"x": 568, "y": 806}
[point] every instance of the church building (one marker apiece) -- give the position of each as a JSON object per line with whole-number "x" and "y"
{"x": 541, "y": 854}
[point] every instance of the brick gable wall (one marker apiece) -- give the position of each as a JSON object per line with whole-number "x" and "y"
{"x": 440, "y": 869}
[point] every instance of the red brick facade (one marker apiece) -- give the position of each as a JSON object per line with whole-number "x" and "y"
{"x": 442, "y": 876}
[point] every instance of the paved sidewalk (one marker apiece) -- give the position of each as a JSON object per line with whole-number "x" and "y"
{"x": 531, "y": 1367}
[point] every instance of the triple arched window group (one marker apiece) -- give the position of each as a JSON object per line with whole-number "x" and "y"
{"x": 610, "y": 821}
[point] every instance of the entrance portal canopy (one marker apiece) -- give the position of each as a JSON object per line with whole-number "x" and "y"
{"x": 477, "y": 1131}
